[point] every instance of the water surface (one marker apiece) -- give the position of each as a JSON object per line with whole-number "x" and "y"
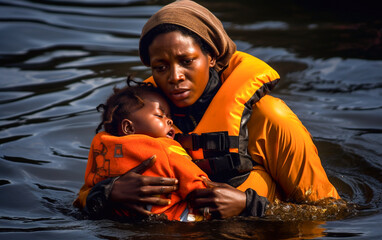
{"x": 60, "y": 59}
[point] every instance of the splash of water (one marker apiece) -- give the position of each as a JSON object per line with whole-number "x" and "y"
{"x": 322, "y": 210}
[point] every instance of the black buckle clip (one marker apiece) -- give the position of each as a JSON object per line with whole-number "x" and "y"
{"x": 213, "y": 141}
{"x": 217, "y": 141}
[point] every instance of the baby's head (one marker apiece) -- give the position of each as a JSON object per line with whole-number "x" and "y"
{"x": 139, "y": 109}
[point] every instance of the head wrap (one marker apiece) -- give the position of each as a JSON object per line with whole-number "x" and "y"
{"x": 199, "y": 20}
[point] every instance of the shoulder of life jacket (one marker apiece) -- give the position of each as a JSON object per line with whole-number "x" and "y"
{"x": 218, "y": 144}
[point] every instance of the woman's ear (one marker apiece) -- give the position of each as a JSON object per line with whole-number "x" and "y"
{"x": 127, "y": 127}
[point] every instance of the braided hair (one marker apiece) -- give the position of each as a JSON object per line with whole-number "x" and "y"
{"x": 122, "y": 103}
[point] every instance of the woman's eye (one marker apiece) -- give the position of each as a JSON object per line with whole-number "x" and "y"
{"x": 159, "y": 68}
{"x": 188, "y": 61}
{"x": 160, "y": 116}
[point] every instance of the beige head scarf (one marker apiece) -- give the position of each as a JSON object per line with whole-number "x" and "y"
{"x": 201, "y": 21}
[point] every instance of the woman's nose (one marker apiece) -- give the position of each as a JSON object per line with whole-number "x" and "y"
{"x": 169, "y": 122}
{"x": 176, "y": 74}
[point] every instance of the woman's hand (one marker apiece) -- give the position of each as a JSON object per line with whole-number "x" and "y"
{"x": 135, "y": 191}
{"x": 221, "y": 200}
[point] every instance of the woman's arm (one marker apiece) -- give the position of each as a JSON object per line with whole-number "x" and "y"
{"x": 279, "y": 142}
{"x": 98, "y": 205}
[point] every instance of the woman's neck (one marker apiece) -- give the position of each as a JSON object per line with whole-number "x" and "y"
{"x": 187, "y": 118}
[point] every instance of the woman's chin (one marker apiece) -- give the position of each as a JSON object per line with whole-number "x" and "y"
{"x": 181, "y": 103}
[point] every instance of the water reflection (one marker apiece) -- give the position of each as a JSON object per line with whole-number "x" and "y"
{"x": 231, "y": 229}
{"x": 60, "y": 59}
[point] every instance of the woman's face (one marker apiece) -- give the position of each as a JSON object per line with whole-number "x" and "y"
{"x": 179, "y": 67}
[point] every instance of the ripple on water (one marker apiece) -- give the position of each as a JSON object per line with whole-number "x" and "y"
{"x": 356, "y": 177}
{"x": 60, "y": 59}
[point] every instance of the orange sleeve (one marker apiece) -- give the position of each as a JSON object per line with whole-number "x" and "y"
{"x": 187, "y": 172}
{"x": 80, "y": 201}
{"x": 90, "y": 165}
{"x": 279, "y": 142}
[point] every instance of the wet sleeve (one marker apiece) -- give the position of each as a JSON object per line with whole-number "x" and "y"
{"x": 255, "y": 204}
{"x": 98, "y": 205}
{"x": 282, "y": 145}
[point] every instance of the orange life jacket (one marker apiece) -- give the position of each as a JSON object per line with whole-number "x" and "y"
{"x": 229, "y": 142}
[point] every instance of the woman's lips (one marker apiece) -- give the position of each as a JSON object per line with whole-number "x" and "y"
{"x": 180, "y": 94}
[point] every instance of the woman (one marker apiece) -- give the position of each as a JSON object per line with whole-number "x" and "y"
{"x": 241, "y": 136}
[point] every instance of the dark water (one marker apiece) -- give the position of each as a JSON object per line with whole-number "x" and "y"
{"x": 59, "y": 59}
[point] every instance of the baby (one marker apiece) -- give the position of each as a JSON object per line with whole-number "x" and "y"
{"x": 137, "y": 126}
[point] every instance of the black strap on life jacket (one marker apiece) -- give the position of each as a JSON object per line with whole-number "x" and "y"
{"x": 219, "y": 163}
{"x": 219, "y": 168}
{"x": 213, "y": 141}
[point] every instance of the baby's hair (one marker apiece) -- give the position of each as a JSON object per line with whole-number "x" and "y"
{"x": 122, "y": 103}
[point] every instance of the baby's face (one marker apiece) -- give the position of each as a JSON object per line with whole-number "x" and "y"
{"x": 153, "y": 119}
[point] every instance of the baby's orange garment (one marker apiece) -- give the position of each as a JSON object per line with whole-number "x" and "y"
{"x": 112, "y": 156}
